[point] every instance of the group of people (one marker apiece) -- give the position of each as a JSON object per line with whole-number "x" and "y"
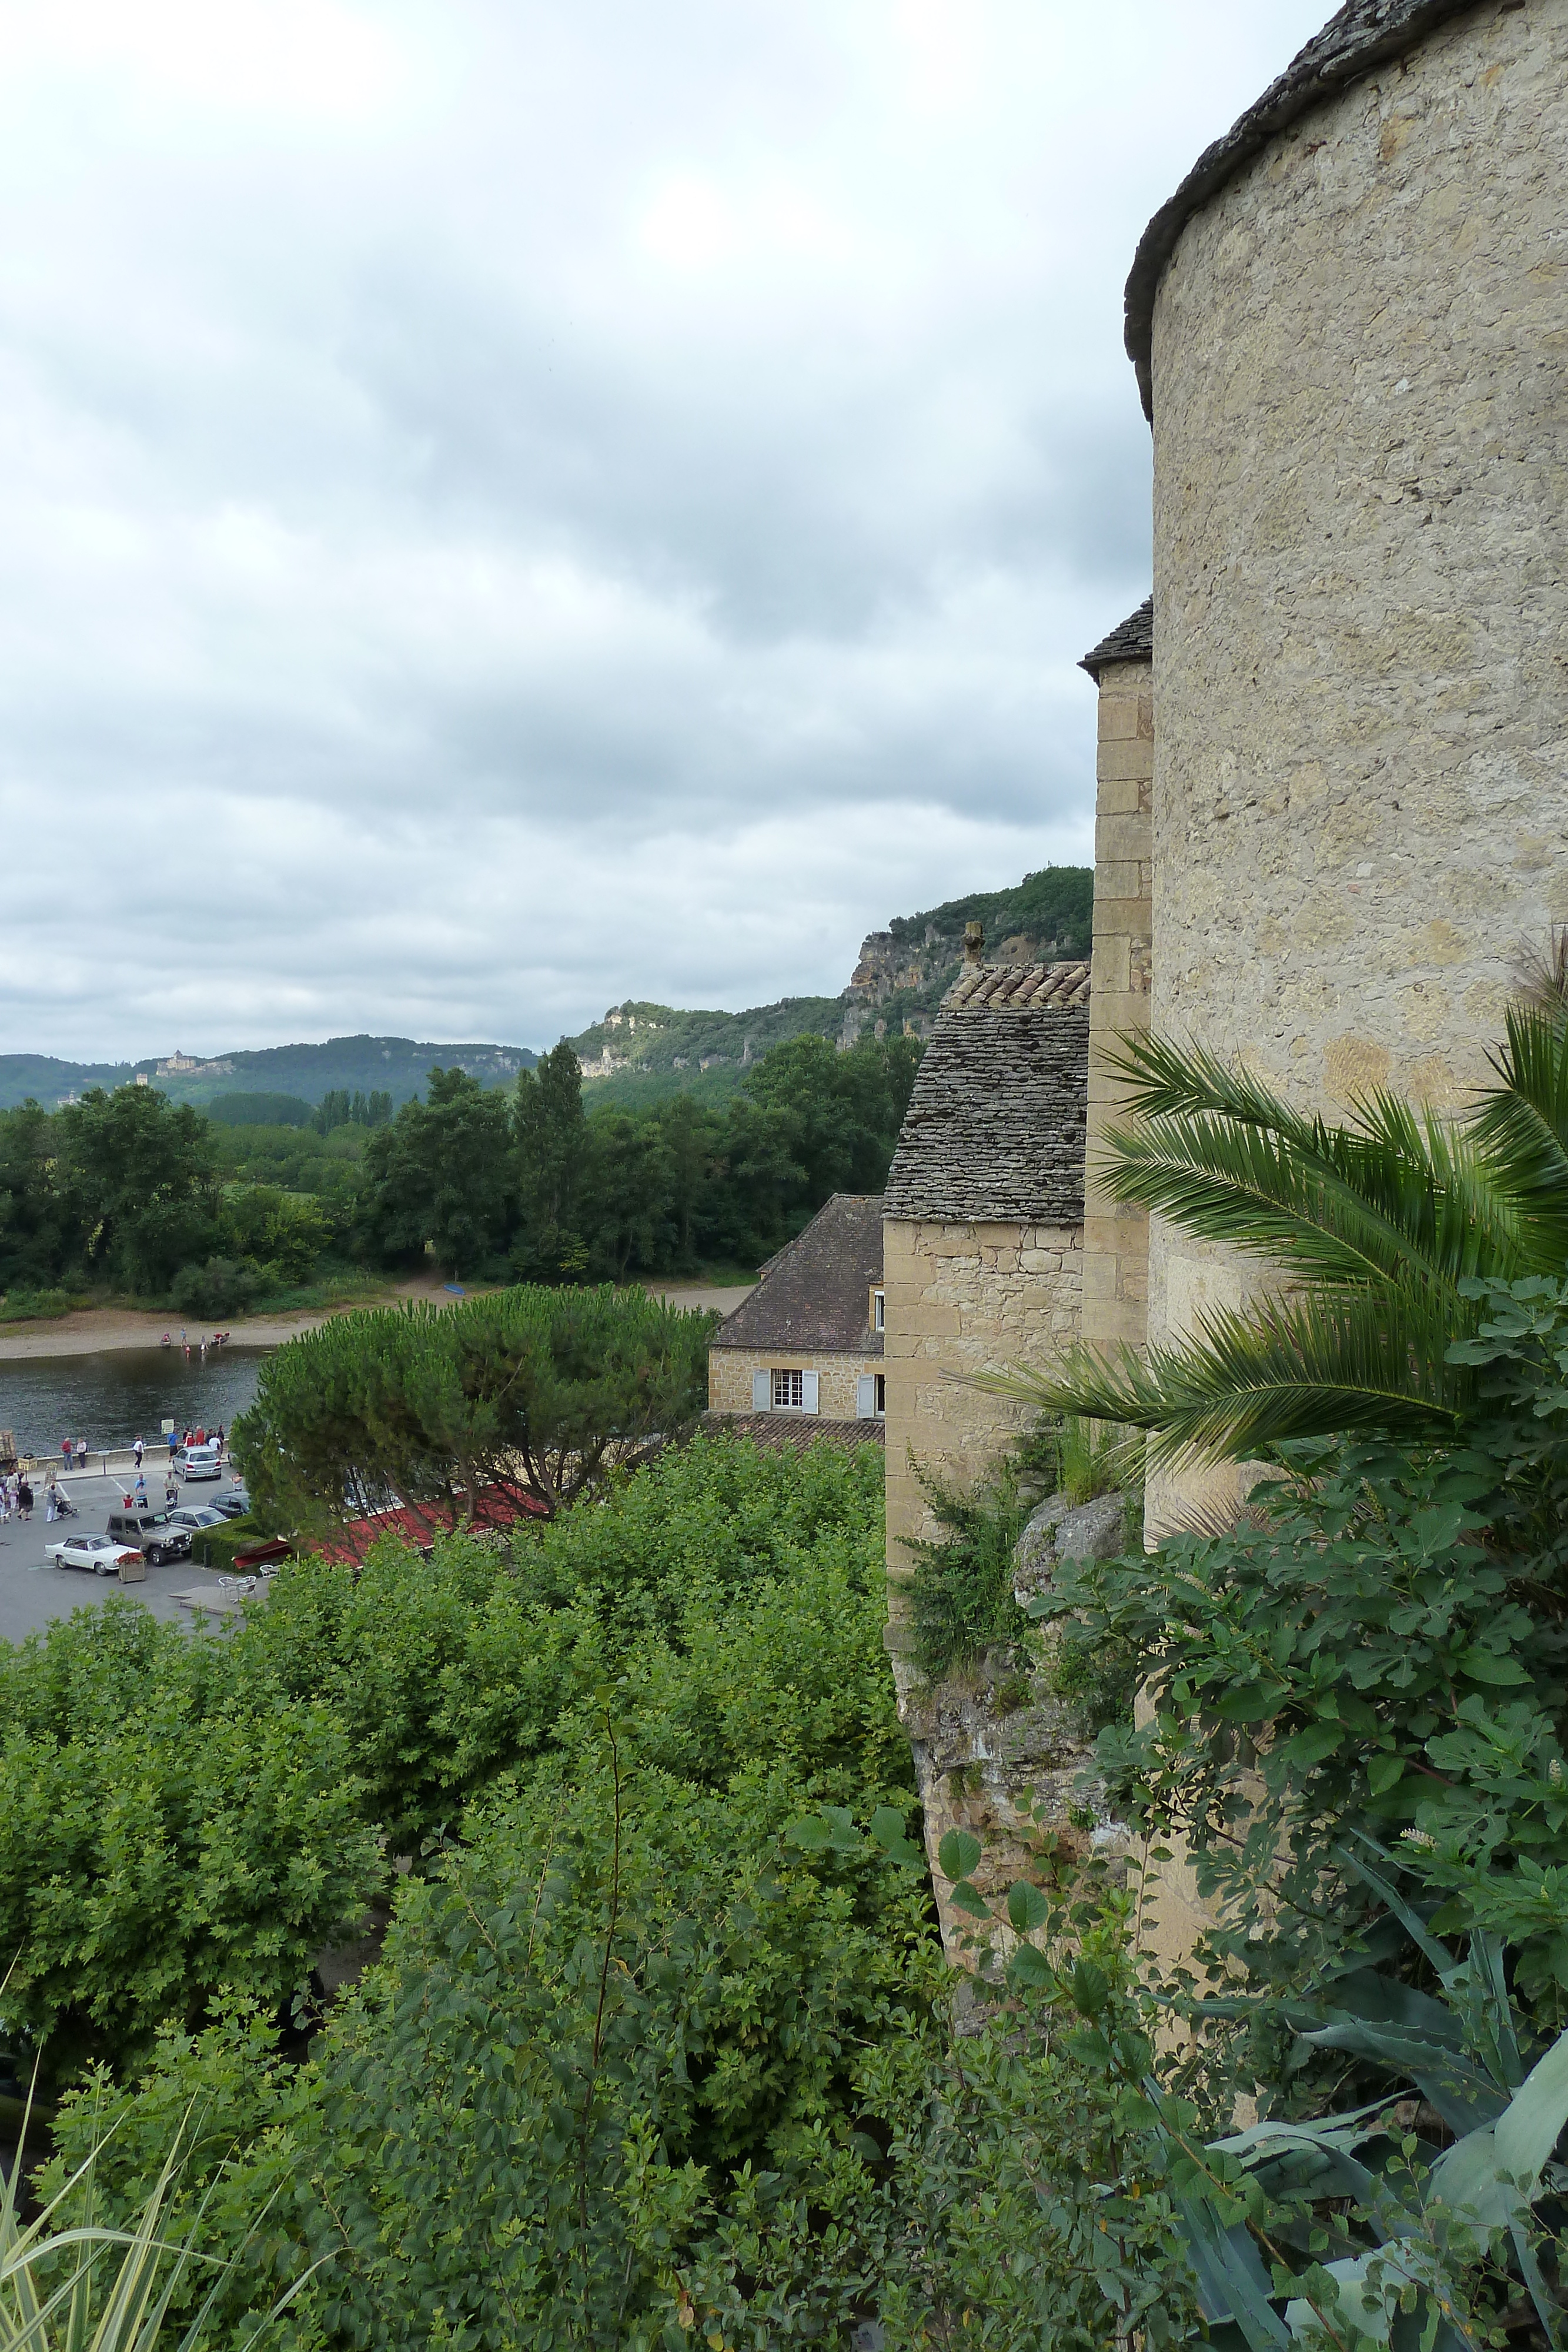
{"x": 15, "y": 1498}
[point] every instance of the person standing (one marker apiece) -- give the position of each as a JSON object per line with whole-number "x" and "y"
{"x": 81, "y": 1456}
{"x": 174, "y": 1446}
{"x": 137, "y": 1449}
{"x": 65, "y": 1451}
{"x": 24, "y": 1499}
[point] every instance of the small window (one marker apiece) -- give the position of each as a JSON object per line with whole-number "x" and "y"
{"x": 878, "y": 1311}
{"x": 881, "y": 1379}
{"x": 788, "y": 1391}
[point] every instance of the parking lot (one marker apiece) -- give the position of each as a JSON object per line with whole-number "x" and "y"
{"x": 33, "y": 1591}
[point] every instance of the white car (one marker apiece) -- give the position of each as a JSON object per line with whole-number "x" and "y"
{"x": 199, "y": 1462}
{"x": 101, "y": 1554}
{"x": 194, "y": 1516}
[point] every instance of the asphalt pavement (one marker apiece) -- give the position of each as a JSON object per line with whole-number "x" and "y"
{"x": 33, "y": 1591}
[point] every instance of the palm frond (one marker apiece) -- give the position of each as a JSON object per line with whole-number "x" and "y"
{"x": 1294, "y": 1367}
{"x": 1521, "y": 1125}
{"x": 1399, "y": 1195}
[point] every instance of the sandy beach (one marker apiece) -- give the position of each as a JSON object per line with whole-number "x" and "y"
{"x": 97, "y": 1330}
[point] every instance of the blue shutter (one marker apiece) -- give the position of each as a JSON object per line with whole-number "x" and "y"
{"x": 762, "y": 1391}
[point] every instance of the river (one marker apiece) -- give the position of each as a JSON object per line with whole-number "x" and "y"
{"x": 128, "y": 1392}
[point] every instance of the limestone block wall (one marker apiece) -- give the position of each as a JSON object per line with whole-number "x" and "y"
{"x": 961, "y": 1299}
{"x": 1116, "y": 1238}
{"x": 1361, "y": 602}
{"x": 730, "y": 1372}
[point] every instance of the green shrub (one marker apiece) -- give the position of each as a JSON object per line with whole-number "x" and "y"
{"x": 223, "y": 1286}
{"x": 961, "y": 1591}
{"x": 159, "y": 1836}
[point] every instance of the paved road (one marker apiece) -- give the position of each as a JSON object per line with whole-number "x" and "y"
{"x": 33, "y": 1591}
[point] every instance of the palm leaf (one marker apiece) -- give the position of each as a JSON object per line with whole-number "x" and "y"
{"x": 1522, "y": 1123}
{"x": 1292, "y": 1367}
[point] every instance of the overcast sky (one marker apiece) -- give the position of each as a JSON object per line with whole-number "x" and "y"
{"x": 509, "y": 507}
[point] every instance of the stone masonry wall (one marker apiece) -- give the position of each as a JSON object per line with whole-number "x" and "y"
{"x": 730, "y": 1372}
{"x": 1116, "y": 1237}
{"x": 1361, "y": 603}
{"x": 961, "y": 1299}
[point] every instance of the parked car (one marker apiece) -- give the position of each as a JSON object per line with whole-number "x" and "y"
{"x": 233, "y": 1505}
{"x": 194, "y": 1516}
{"x": 199, "y": 1462}
{"x": 101, "y": 1554}
{"x": 155, "y": 1533}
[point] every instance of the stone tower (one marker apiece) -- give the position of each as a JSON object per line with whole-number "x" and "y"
{"x": 1350, "y": 326}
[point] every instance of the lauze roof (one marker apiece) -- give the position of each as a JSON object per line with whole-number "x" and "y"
{"x": 815, "y": 1294}
{"x": 994, "y": 1128}
{"x": 1130, "y": 640}
{"x": 1363, "y": 36}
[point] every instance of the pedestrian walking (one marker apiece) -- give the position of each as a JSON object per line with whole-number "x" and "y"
{"x": 174, "y": 1446}
{"x": 49, "y": 1492}
{"x": 138, "y": 1448}
{"x": 23, "y": 1500}
{"x": 170, "y": 1488}
{"x": 65, "y": 1451}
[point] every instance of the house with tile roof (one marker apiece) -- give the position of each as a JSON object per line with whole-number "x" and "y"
{"x": 802, "y": 1355}
{"x": 982, "y": 1227}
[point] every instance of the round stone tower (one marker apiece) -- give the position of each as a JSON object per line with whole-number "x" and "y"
{"x": 1351, "y": 329}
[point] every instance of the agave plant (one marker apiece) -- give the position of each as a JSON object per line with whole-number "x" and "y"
{"x": 1431, "y": 2214}
{"x": 1378, "y": 1228}
{"x": 68, "y": 2284}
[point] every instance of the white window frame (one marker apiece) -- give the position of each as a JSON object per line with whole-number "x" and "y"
{"x": 788, "y": 1390}
{"x": 878, "y": 1310}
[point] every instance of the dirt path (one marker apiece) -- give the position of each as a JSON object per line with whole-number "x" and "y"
{"x": 97, "y": 1330}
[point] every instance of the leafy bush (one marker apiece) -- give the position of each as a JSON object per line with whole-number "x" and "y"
{"x": 961, "y": 1591}
{"x": 223, "y": 1286}
{"x": 158, "y": 1837}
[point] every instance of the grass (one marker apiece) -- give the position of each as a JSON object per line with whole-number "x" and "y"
{"x": 43, "y": 1306}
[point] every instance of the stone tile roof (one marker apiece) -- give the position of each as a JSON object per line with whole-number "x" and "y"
{"x": 1130, "y": 640}
{"x": 994, "y": 1128}
{"x": 816, "y": 1293}
{"x": 1362, "y": 35}
{"x": 793, "y": 1432}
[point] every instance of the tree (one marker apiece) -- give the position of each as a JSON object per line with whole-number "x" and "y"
{"x": 530, "y": 1391}
{"x": 441, "y": 1173}
{"x": 34, "y": 1229}
{"x": 136, "y": 1176}
{"x": 1380, "y": 1228}
{"x": 554, "y": 1151}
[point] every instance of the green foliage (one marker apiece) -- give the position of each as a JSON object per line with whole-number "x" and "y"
{"x": 158, "y": 1836}
{"x": 340, "y": 1107}
{"x": 223, "y": 1286}
{"x": 442, "y": 1173}
{"x": 961, "y": 1591}
{"x": 259, "y": 1110}
{"x": 73, "y": 2281}
{"x": 1382, "y": 1227}
{"x": 553, "y": 1155}
{"x": 133, "y": 1177}
{"x": 533, "y": 1393}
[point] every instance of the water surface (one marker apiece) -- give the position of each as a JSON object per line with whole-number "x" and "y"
{"x": 123, "y": 1393}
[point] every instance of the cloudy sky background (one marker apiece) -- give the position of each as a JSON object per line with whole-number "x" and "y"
{"x": 509, "y": 505}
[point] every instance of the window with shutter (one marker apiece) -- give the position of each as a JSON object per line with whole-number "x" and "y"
{"x": 788, "y": 1391}
{"x": 762, "y": 1391}
{"x": 865, "y": 1396}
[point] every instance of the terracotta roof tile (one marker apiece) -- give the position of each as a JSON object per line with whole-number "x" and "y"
{"x": 793, "y": 1432}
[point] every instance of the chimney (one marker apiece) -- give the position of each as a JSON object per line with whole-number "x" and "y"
{"x": 973, "y": 943}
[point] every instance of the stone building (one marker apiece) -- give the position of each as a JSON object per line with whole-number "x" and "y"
{"x": 982, "y": 1226}
{"x": 807, "y": 1345}
{"x": 1348, "y": 330}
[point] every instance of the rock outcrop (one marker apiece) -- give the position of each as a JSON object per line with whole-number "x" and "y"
{"x": 998, "y": 1751}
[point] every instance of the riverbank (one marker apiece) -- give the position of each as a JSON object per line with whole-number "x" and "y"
{"x": 99, "y": 1331}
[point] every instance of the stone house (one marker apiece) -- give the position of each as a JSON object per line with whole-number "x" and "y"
{"x": 982, "y": 1227}
{"x": 807, "y": 1345}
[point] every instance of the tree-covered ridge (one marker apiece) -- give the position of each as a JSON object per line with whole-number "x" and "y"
{"x": 1046, "y": 916}
{"x": 397, "y": 1065}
